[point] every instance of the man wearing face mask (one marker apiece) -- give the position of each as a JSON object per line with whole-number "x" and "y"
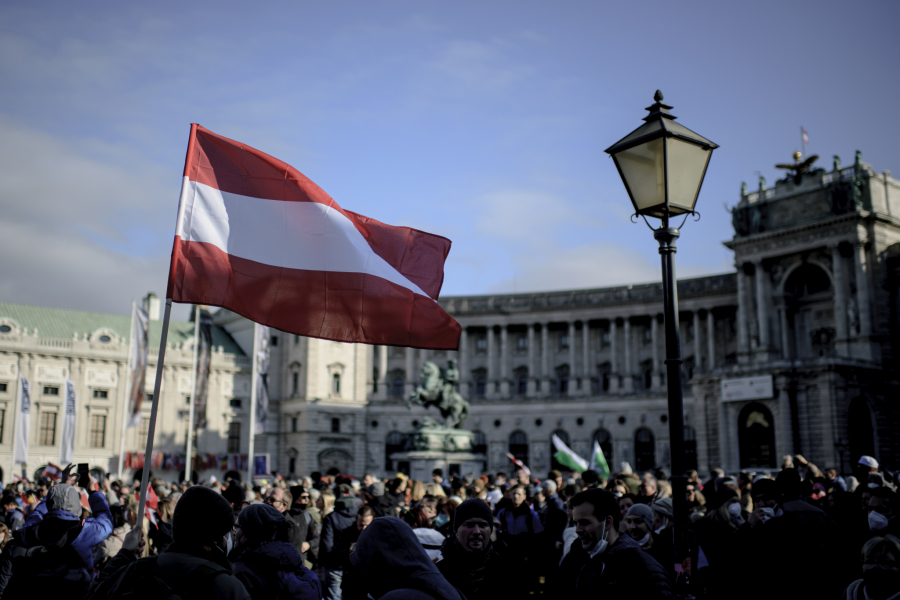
{"x": 880, "y": 571}
{"x": 614, "y": 566}
{"x": 195, "y": 565}
{"x": 882, "y": 511}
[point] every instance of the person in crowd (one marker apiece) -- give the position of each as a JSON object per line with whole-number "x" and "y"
{"x": 882, "y": 510}
{"x": 437, "y": 476}
{"x": 639, "y": 525}
{"x": 625, "y": 503}
{"x": 279, "y": 499}
{"x": 612, "y": 565}
{"x": 380, "y": 502}
{"x": 880, "y": 571}
{"x": 109, "y": 547}
{"x": 431, "y": 539}
{"x": 443, "y": 519}
{"x": 13, "y": 517}
{"x": 343, "y": 516}
{"x": 53, "y": 551}
{"x": 396, "y": 491}
{"x": 267, "y": 566}
{"x": 649, "y": 488}
{"x": 389, "y": 562}
{"x": 471, "y": 563}
{"x": 303, "y": 532}
{"x": 519, "y": 527}
{"x": 5, "y": 535}
{"x": 194, "y": 566}
{"x": 348, "y": 537}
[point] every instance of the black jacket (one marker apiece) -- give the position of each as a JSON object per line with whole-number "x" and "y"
{"x": 302, "y": 528}
{"x": 343, "y": 516}
{"x": 622, "y": 571}
{"x": 273, "y": 569}
{"x": 480, "y": 575}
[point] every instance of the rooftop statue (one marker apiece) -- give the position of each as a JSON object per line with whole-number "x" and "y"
{"x": 441, "y": 390}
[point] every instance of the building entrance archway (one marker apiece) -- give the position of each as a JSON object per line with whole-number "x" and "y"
{"x": 756, "y": 437}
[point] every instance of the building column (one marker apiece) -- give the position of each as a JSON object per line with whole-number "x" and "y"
{"x": 742, "y": 316}
{"x": 464, "y": 375}
{"x": 504, "y": 360}
{"x": 532, "y": 367}
{"x": 573, "y": 373}
{"x": 762, "y": 311}
{"x": 585, "y": 358}
{"x": 654, "y": 340}
{"x": 410, "y": 380}
{"x": 710, "y": 340}
{"x": 613, "y": 355}
{"x": 545, "y": 358}
{"x": 840, "y": 302}
{"x": 628, "y": 370}
{"x": 383, "y": 372}
{"x": 491, "y": 363}
{"x": 862, "y": 290}
{"x": 698, "y": 358}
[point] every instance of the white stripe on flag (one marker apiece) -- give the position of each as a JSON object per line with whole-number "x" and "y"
{"x": 295, "y": 235}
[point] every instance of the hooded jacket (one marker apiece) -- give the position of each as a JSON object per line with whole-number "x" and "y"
{"x": 274, "y": 569}
{"x": 390, "y": 564}
{"x": 343, "y": 516}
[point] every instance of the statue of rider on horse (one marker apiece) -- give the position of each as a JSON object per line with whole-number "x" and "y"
{"x": 441, "y": 390}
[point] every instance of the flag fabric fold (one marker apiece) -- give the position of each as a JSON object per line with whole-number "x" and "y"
{"x": 67, "y": 448}
{"x": 518, "y": 463}
{"x": 256, "y": 236}
{"x": 598, "y": 461}
{"x": 566, "y": 457}
{"x": 20, "y": 455}
{"x": 204, "y": 357}
{"x": 261, "y": 425}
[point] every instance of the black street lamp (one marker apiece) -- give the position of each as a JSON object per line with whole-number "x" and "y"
{"x": 662, "y": 164}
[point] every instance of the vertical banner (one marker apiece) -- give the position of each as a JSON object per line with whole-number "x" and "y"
{"x": 262, "y": 390}
{"x": 67, "y": 450}
{"x": 204, "y": 356}
{"x": 20, "y": 456}
{"x": 140, "y": 340}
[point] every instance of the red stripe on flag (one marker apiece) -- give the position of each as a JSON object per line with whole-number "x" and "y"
{"x": 347, "y": 307}
{"x": 231, "y": 166}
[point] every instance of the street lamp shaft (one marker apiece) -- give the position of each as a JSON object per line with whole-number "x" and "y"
{"x": 666, "y": 237}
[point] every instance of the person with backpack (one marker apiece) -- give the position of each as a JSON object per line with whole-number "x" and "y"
{"x": 267, "y": 565}
{"x": 52, "y": 553}
{"x": 193, "y": 567}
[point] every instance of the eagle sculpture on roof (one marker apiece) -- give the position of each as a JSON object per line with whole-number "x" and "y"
{"x": 798, "y": 169}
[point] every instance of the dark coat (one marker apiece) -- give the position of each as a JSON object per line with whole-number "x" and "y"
{"x": 275, "y": 570}
{"x": 480, "y": 575}
{"x": 383, "y": 506}
{"x": 302, "y": 528}
{"x": 554, "y": 518}
{"x": 622, "y": 571}
{"x": 332, "y": 526}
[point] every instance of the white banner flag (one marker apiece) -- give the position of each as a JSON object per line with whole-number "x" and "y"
{"x": 21, "y": 454}
{"x": 140, "y": 349}
{"x": 67, "y": 450}
{"x": 262, "y": 389}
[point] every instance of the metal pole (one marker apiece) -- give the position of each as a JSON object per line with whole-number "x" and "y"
{"x": 254, "y": 373}
{"x": 666, "y": 237}
{"x": 190, "y": 433}
{"x": 151, "y": 431}
{"x": 128, "y": 383}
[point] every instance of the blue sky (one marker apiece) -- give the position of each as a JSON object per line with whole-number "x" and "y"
{"x": 484, "y": 122}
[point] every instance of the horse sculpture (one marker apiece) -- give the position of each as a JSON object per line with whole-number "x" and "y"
{"x": 441, "y": 391}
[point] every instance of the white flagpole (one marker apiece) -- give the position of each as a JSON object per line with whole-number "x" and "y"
{"x": 128, "y": 381}
{"x": 190, "y": 433}
{"x": 254, "y": 373}
{"x": 151, "y": 431}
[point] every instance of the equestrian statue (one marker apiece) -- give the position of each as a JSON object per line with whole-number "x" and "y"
{"x": 441, "y": 390}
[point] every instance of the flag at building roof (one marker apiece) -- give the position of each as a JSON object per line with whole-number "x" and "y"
{"x": 256, "y": 236}
{"x": 566, "y": 457}
{"x": 805, "y": 136}
{"x": 598, "y": 461}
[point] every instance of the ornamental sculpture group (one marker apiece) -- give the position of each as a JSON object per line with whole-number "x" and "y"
{"x": 441, "y": 389}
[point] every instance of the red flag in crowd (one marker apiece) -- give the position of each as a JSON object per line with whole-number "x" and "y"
{"x": 257, "y": 237}
{"x": 53, "y": 472}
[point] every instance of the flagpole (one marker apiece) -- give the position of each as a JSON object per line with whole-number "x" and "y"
{"x": 803, "y": 140}
{"x": 254, "y": 373}
{"x": 128, "y": 383}
{"x": 151, "y": 430}
{"x": 190, "y": 434}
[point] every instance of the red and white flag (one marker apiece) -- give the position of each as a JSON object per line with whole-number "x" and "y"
{"x": 518, "y": 463}
{"x": 53, "y": 472}
{"x": 256, "y": 236}
{"x": 805, "y": 136}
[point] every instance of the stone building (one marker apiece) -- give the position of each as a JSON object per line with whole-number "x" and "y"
{"x": 795, "y": 352}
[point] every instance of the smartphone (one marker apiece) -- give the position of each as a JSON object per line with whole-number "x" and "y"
{"x": 84, "y": 475}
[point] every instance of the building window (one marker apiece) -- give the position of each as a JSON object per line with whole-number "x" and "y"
{"x": 101, "y": 394}
{"x": 398, "y": 379}
{"x": 480, "y": 377}
{"x": 98, "y": 431}
{"x": 5, "y": 329}
{"x": 602, "y": 437}
{"x": 374, "y": 380}
{"x": 562, "y": 379}
{"x": 273, "y": 340}
{"x": 521, "y": 379}
{"x": 690, "y": 447}
{"x": 2, "y": 423}
{"x": 235, "y": 403}
{"x": 644, "y": 450}
{"x": 335, "y": 425}
{"x": 522, "y": 343}
{"x": 392, "y": 444}
{"x": 604, "y": 339}
{"x": 518, "y": 447}
{"x": 648, "y": 335}
{"x": 47, "y": 429}
{"x": 148, "y": 397}
{"x": 293, "y": 424}
{"x": 564, "y": 341}
{"x": 3, "y": 387}
{"x": 143, "y": 432}
{"x": 234, "y": 437}
{"x": 295, "y": 383}
{"x": 481, "y": 344}
{"x": 51, "y": 390}
{"x": 292, "y": 465}
{"x": 479, "y": 443}
{"x": 296, "y": 339}
{"x": 336, "y": 384}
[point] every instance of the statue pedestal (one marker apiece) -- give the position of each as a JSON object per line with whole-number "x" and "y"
{"x": 430, "y": 448}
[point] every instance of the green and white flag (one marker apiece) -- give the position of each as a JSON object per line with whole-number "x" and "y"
{"x": 566, "y": 457}
{"x": 598, "y": 462}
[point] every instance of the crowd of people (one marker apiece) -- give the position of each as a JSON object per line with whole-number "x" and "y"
{"x": 796, "y": 533}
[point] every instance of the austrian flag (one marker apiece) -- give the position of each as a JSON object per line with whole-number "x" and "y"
{"x": 257, "y": 237}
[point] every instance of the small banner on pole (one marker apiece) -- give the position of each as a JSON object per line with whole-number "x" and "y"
{"x": 21, "y": 453}
{"x": 204, "y": 356}
{"x": 67, "y": 450}
{"x": 262, "y": 392}
{"x": 139, "y": 354}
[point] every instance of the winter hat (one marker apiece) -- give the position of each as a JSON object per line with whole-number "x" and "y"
{"x": 377, "y": 488}
{"x": 643, "y": 511}
{"x": 64, "y": 497}
{"x": 868, "y": 461}
{"x": 296, "y": 491}
{"x": 473, "y": 508}
{"x": 201, "y": 516}
{"x": 664, "y": 507}
{"x": 260, "y": 522}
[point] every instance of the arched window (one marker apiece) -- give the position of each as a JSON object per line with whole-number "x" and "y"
{"x": 602, "y": 437}
{"x": 480, "y": 378}
{"x": 398, "y": 379}
{"x": 562, "y": 379}
{"x": 810, "y": 312}
{"x": 393, "y": 443}
{"x": 861, "y": 433}
{"x": 479, "y": 443}
{"x": 690, "y": 447}
{"x": 520, "y": 376}
{"x": 518, "y": 446}
{"x": 644, "y": 450}
{"x": 756, "y": 437}
{"x": 564, "y": 438}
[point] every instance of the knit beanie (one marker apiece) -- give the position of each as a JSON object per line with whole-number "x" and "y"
{"x": 201, "y": 516}
{"x": 473, "y": 508}
{"x": 643, "y": 511}
{"x": 664, "y": 507}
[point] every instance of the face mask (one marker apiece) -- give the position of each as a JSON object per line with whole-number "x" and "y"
{"x": 768, "y": 513}
{"x": 877, "y": 521}
{"x": 600, "y": 548}
{"x": 664, "y": 525}
{"x": 734, "y": 509}
{"x": 441, "y": 520}
{"x": 229, "y": 543}
{"x": 644, "y": 540}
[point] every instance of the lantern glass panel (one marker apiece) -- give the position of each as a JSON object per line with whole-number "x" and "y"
{"x": 687, "y": 164}
{"x": 644, "y": 171}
